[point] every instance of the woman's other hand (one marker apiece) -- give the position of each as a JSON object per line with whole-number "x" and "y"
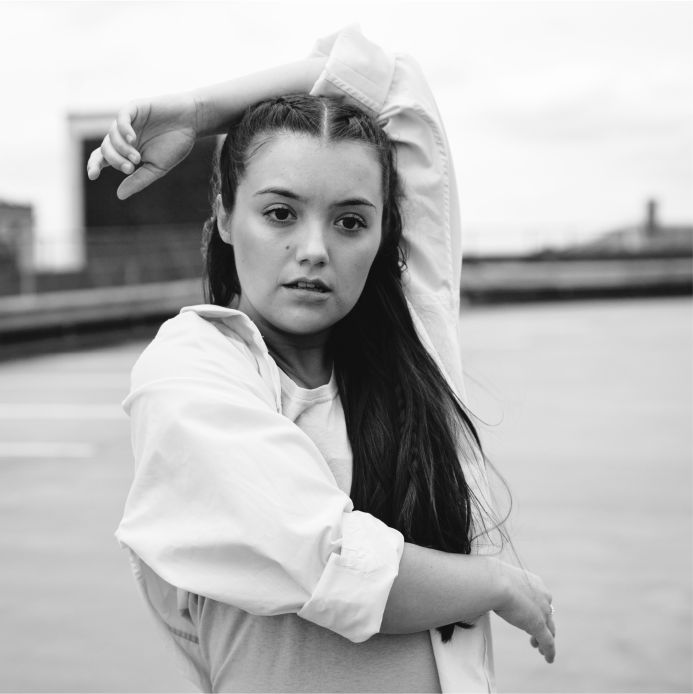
{"x": 146, "y": 140}
{"x": 527, "y": 606}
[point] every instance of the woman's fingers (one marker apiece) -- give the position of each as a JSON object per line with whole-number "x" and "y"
{"x": 95, "y": 163}
{"x": 121, "y": 147}
{"x": 124, "y": 121}
{"x": 546, "y": 644}
{"x": 107, "y": 156}
{"x": 111, "y": 154}
{"x": 114, "y": 158}
{"x": 117, "y": 149}
{"x": 138, "y": 180}
{"x": 546, "y": 638}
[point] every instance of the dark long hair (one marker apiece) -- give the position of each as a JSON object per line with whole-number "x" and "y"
{"x": 406, "y": 427}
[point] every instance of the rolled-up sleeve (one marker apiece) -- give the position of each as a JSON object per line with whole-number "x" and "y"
{"x": 232, "y": 501}
{"x": 394, "y": 88}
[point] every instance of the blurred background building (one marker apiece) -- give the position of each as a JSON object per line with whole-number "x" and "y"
{"x": 16, "y": 248}
{"x": 648, "y": 237}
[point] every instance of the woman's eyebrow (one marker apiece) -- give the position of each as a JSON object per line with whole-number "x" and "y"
{"x": 286, "y": 193}
{"x": 351, "y": 202}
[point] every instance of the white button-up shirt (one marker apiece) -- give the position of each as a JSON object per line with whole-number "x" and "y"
{"x": 230, "y": 499}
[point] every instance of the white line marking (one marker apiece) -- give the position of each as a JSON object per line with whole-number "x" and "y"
{"x": 84, "y": 380}
{"x": 45, "y": 449}
{"x": 59, "y": 411}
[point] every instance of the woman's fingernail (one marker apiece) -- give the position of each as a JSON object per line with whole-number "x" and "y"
{"x": 134, "y": 157}
{"x": 127, "y": 167}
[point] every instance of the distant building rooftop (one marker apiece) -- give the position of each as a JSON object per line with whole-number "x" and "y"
{"x": 648, "y": 237}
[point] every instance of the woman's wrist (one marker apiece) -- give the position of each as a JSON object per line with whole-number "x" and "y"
{"x": 499, "y": 581}
{"x": 208, "y": 119}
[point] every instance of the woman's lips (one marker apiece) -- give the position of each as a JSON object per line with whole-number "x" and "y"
{"x": 308, "y": 285}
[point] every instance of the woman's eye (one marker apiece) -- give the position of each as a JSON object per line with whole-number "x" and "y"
{"x": 279, "y": 214}
{"x": 351, "y": 223}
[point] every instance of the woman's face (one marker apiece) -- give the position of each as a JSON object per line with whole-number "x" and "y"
{"x": 306, "y": 227}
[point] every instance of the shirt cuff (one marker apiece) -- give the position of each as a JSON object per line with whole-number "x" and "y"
{"x": 352, "y": 592}
{"x": 355, "y": 67}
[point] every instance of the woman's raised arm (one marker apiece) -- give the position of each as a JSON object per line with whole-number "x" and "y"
{"x": 149, "y": 137}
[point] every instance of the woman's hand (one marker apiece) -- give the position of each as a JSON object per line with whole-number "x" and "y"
{"x": 527, "y": 606}
{"x": 153, "y": 135}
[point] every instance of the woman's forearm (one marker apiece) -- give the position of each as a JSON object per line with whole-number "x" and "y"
{"x": 435, "y": 588}
{"x": 219, "y": 104}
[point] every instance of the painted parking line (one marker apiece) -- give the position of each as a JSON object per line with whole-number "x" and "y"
{"x": 83, "y": 380}
{"x": 60, "y": 411}
{"x": 46, "y": 449}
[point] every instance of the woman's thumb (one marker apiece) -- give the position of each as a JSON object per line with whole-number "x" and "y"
{"x": 142, "y": 177}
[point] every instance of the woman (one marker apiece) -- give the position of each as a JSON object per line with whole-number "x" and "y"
{"x": 309, "y": 498}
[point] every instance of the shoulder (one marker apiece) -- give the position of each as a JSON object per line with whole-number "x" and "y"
{"x": 187, "y": 341}
{"x": 206, "y": 343}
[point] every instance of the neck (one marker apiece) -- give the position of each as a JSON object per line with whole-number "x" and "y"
{"x": 307, "y": 366}
{"x": 304, "y": 358}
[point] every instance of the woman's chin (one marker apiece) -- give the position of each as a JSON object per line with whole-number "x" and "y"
{"x": 302, "y": 324}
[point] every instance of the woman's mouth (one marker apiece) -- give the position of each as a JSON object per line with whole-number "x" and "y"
{"x": 309, "y": 285}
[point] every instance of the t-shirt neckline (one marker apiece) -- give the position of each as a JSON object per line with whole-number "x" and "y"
{"x": 326, "y": 391}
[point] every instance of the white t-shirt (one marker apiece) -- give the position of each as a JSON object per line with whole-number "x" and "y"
{"x": 318, "y": 412}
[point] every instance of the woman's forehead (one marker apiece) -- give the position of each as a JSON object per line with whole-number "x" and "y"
{"x": 305, "y": 163}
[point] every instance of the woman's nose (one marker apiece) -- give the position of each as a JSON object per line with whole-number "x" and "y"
{"x": 311, "y": 246}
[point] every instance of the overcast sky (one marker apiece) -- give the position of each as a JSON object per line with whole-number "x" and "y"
{"x": 564, "y": 117}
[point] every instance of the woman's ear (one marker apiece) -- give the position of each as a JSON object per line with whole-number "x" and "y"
{"x": 223, "y": 221}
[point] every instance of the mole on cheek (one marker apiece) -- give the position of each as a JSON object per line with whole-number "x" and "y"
{"x": 287, "y": 248}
